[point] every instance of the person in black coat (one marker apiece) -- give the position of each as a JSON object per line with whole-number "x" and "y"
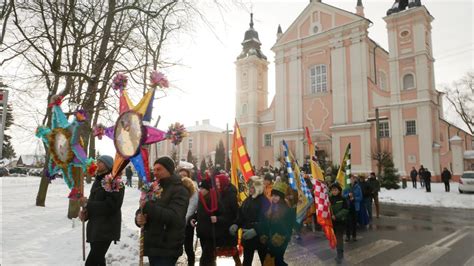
{"x": 339, "y": 213}
{"x": 102, "y": 211}
{"x": 420, "y": 176}
{"x": 427, "y": 178}
{"x": 164, "y": 219}
{"x": 445, "y": 177}
{"x": 413, "y": 175}
{"x": 250, "y": 218}
{"x": 210, "y": 217}
{"x": 129, "y": 174}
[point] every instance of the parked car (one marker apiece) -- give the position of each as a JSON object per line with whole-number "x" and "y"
{"x": 466, "y": 182}
{"x": 18, "y": 170}
{"x": 4, "y": 171}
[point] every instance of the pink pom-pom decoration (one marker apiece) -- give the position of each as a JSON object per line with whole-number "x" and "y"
{"x": 151, "y": 191}
{"x": 119, "y": 82}
{"x": 176, "y": 133}
{"x": 158, "y": 79}
{"x": 99, "y": 131}
{"x": 111, "y": 184}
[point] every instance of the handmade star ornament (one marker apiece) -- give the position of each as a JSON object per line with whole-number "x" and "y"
{"x": 130, "y": 134}
{"x": 63, "y": 143}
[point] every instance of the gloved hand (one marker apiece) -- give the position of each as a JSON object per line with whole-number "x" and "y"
{"x": 249, "y": 234}
{"x": 278, "y": 240}
{"x": 233, "y": 229}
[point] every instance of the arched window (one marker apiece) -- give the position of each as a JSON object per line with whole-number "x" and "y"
{"x": 244, "y": 109}
{"x": 408, "y": 81}
{"x": 383, "y": 83}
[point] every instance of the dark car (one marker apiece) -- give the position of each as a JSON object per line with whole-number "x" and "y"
{"x": 4, "y": 171}
{"x": 18, "y": 170}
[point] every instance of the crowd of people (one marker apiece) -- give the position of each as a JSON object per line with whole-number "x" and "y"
{"x": 424, "y": 176}
{"x": 207, "y": 207}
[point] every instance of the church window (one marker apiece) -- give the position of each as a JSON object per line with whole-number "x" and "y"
{"x": 383, "y": 81}
{"x": 267, "y": 140}
{"x": 318, "y": 79}
{"x": 244, "y": 109}
{"x": 315, "y": 29}
{"x": 410, "y": 127}
{"x": 408, "y": 81}
{"x": 384, "y": 130}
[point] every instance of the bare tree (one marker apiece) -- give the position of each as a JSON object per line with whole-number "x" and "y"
{"x": 460, "y": 94}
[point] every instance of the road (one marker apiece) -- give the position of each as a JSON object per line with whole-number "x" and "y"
{"x": 401, "y": 236}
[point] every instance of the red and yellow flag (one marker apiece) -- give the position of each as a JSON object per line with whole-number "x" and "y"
{"x": 316, "y": 171}
{"x": 240, "y": 161}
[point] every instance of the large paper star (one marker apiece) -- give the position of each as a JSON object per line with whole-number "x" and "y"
{"x": 129, "y": 133}
{"x": 63, "y": 143}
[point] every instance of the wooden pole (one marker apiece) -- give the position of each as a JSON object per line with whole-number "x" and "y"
{"x": 83, "y": 223}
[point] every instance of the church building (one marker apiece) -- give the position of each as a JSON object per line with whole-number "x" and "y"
{"x": 331, "y": 77}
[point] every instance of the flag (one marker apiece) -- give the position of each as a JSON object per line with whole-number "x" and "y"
{"x": 240, "y": 161}
{"x": 305, "y": 198}
{"x": 344, "y": 173}
{"x": 291, "y": 175}
{"x": 316, "y": 171}
{"x": 323, "y": 211}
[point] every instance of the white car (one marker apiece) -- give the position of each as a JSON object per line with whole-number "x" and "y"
{"x": 466, "y": 182}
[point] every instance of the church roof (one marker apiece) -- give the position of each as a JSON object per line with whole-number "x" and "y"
{"x": 251, "y": 44}
{"x": 205, "y": 126}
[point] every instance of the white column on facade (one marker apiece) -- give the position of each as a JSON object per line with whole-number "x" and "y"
{"x": 294, "y": 91}
{"x": 436, "y": 162}
{"x": 359, "y": 73}
{"x": 425, "y": 139}
{"x": 280, "y": 89}
{"x": 457, "y": 155}
{"x": 398, "y": 132}
{"x": 339, "y": 86}
{"x": 336, "y": 148}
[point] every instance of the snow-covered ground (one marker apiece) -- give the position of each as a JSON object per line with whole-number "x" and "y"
{"x": 436, "y": 198}
{"x": 33, "y": 235}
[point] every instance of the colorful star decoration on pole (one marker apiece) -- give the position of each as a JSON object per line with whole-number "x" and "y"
{"x": 64, "y": 144}
{"x": 130, "y": 134}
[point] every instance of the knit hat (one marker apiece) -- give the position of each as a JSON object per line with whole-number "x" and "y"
{"x": 279, "y": 188}
{"x": 336, "y": 185}
{"x": 206, "y": 184}
{"x": 107, "y": 160}
{"x": 257, "y": 183}
{"x": 167, "y": 163}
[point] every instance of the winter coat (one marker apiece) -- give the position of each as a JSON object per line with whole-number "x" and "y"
{"x": 426, "y": 175}
{"x": 128, "y": 172}
{"x": 206, "y": 229}
{"x": 446, "y": 175}
{"x": 277, "y": 228}
{"x": 251, "y": 215}
{"x": 228, "y": 198}
{"x": 367, "y": 190}
{"x": 357, "y": 194}
{"x": 164, "y": 229}
{"x": 374, "y": 185}
{"x": 193, "y": 203}
{"x": 413, "y": 174}
{"x": 340, "y": 209}
{"x": 103, "y": 213}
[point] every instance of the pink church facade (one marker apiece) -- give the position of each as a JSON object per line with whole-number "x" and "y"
{"x": 331, "y": 76}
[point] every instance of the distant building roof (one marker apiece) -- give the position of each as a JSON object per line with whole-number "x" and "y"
{"x": 31, "y": 160}
{"x": 205, "y": 126}
{"x": 469, "y": 155}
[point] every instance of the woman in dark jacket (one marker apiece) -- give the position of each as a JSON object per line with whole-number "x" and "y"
{"x": 339, "y": 213}
{"x": 227, "y": 196}
{"x": 210, "y": 222}
{"x": 102, "y": 211}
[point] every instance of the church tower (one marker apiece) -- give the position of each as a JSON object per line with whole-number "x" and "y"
{"x": 252, "y": 89}
{"x": 414, "y": 101}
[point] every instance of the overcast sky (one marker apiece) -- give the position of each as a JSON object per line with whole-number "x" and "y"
{"x": 204, "y": 88}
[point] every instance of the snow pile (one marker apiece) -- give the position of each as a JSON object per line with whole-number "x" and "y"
{"x": 437, "y": 198}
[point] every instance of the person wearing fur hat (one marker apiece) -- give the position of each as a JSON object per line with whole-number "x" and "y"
{"x": 192, "y": 187}
{"x": 164, "y": 218}
{"x": 250, "y": 218}
{"x": 339, "y": 213}
{"x": 103, "y": 212}
{"x": 277, "y": 224}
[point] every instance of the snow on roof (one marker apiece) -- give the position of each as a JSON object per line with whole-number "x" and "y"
{"x": 469, "y": 154}
{"x": 31, "y": 159}
{"x": 205, "y": 126}
{"x": 455, "y": 137}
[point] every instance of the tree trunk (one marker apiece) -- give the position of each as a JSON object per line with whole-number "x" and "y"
{"x": 74, "y": 206}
